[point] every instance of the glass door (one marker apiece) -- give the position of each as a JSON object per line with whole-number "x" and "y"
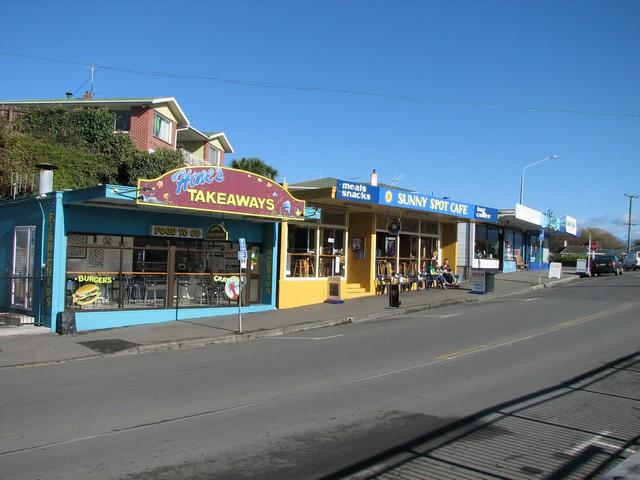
{"x": 254, "y": 275}
{"x": 22, "y": 271}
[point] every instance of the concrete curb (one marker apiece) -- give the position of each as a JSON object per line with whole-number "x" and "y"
{"x": 298, "y": 327}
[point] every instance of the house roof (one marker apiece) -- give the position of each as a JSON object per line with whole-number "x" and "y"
{"x": 113, "y": 103}
{"x": 327, "y": 182}
{"x": 191, "y": 134}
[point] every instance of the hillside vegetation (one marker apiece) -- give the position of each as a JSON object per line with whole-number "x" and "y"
{"x": 81, "y": 143}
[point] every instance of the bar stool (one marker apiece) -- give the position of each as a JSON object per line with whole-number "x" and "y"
{"x": 150, "y": 286}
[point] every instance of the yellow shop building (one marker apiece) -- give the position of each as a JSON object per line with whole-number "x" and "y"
{"x": 356, "y": 235}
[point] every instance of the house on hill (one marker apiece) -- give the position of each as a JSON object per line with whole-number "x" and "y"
{"x": 152, "y": 123}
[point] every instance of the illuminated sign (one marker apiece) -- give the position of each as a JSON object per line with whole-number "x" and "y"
{"x": 220, "y": 189}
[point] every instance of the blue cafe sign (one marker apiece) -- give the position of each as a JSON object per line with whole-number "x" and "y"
{"x": 359, "y": 192}
{"x": 425, "y": 203}
{"x": 365, "y": 193}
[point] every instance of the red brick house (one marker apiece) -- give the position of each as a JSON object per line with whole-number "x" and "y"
{"x": 152, "y": 124}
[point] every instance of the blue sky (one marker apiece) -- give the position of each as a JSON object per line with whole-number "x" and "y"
{"x": 452, "y": 97}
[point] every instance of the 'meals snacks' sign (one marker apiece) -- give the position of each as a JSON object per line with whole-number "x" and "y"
{"x": 220, "y": 189}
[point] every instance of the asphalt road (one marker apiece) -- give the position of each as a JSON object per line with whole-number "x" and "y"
{"x": 308, "y": 405}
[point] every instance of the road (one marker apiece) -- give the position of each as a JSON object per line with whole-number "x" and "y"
{"x": 312, "y": 404}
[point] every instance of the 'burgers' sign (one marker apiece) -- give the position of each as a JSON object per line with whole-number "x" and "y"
{"x": 220, "y": 189}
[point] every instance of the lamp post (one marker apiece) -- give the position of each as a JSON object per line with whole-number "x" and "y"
{"x": 550, "y": 157}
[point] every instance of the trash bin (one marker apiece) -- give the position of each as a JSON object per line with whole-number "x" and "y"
{"x": 394, "y": 295}
{"x": 490, "y": 281}
{"x": 66, "y": 323}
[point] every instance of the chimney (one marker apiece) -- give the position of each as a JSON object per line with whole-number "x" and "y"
{"x": 374, "y": 178}
{"x": 46, "y": 178}
{"x": 88, "y": 95}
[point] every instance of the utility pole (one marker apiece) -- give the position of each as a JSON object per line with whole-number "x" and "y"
{"x": 631, "y": 197}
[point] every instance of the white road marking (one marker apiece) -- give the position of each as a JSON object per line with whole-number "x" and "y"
{"x": 597, "y": 441}
{"x": 429, "y": 315}
{"x": 531, "y": 299}
{"x": 307, "y": 338}
{"x": 555, "y": 328}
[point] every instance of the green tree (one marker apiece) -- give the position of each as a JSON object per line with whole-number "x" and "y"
{"x": 255, "y": 165}
{"x": 602, "y": 237}
{"x": 82, "y": 144}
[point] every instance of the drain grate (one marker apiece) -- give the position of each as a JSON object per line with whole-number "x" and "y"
{"x": 111, "y": 345}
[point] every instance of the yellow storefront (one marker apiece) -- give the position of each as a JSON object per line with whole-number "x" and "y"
{"x": 358, "y": 234}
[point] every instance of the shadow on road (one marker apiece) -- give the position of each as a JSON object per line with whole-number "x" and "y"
{"x": 580, "y": 428}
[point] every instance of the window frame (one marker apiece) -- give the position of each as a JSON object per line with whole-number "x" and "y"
{"x": 157, "y": 134}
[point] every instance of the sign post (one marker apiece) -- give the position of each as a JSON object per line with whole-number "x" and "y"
{"x": 242, "y": 258}
{"x": 540, "y": 254}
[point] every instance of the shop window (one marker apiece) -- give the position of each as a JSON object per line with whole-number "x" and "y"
{"x": 332, "y": 252}
{"x": 386, "y": 253}
{"x": 333, "y": 216}
{"x": 110, "y": 272}
{"x": 509, "y": 254}
{"x": 428, "y": 252}
{"x": 480, "y": 249}
{"x": 301, "y": 251}
{"x": 487, "y": 244}
{"x": 408, "y": 254}
{"x": 493, "y": 242}
{"x": 518, "y": 248}
{"x": 161, "y": 128}
{"x": 22, "y": 271}
{"x": 411, "y": 225}
{"x": 430, "y": 228}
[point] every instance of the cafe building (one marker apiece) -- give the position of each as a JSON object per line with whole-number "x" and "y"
{"x": 357, "y": 235}
{"x": 167, "y": 249}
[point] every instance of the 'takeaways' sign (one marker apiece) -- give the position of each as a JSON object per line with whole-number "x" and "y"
{"x": 220, "y": 189}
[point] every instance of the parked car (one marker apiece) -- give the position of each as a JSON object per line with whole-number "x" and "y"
{"x": 631, "y": 261}
{"x": 606, "y": 264}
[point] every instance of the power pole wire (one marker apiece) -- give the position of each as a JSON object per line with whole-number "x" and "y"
{"x": 311, "y": 88}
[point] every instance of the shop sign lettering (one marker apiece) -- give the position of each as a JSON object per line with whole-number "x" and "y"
{"x": 217, "y": 232}
{"x": 360, "y": 192}
{"x": 48, "y": 269}
{"x": 221, "y": 189}
{"x": 419, "y": 201}
{"x": 486, "y": 214}
{"x": 175, "y": 232}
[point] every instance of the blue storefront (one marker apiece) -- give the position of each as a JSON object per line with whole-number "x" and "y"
{"x": 114, "y": 258}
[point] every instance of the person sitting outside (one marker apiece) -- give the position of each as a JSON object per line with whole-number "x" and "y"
{"x": 451, "y": 278}
{"x": 436, "y": 276}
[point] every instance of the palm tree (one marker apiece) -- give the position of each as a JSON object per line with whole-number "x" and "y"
{"x": 255, "y": 165}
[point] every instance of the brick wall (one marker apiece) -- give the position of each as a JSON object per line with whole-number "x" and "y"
{"x": 142, "y": 131}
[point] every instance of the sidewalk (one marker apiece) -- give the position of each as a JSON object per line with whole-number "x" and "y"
{"x": 19, "y": 348}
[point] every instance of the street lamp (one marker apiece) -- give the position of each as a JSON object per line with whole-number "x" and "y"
{"x": 550, "y": 157}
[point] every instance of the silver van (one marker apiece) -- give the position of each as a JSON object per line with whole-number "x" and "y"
{"x": 631, "y": 261}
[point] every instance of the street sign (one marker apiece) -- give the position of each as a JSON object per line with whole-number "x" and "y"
{"x": 243, "y": 243}
{"x": 242, "y": 255}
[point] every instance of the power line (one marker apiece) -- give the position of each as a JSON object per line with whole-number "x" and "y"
{"x": 312, "y": 88}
